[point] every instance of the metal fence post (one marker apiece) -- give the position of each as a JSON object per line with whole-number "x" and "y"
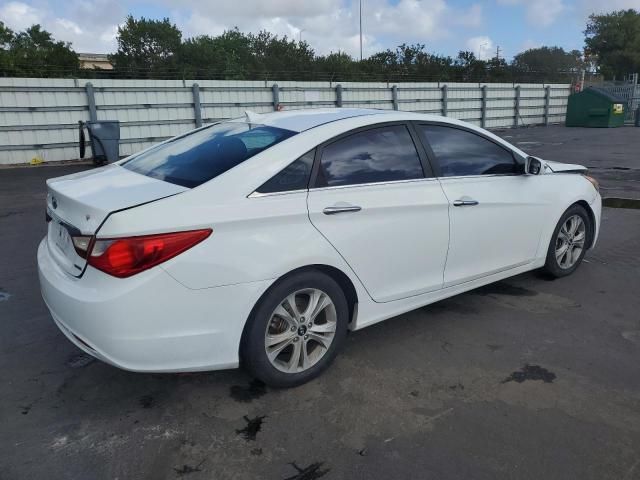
{"x": 394, "y": 96}
{"x": 516, "y": 108}
{"x": 197, "y": 109}
{"x": 339, "y": 95}
{"x": 483, "y": 119}
{"x": 445, "y": 101}
{"x": 547, "y": 97}
{"x": 276, "y": 96}
{"x": 91, "y": 101}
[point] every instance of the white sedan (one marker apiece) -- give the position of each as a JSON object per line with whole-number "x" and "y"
{"x": 260, "y": 241}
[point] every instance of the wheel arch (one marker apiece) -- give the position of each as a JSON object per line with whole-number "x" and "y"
{"x": 336, "y": 274}
{"x": 592, "y": 219}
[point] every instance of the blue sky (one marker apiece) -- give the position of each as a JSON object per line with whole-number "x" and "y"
{"x": 444, "y": 26}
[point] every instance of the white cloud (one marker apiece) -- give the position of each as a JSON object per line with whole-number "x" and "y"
{"x": 90, "y": 25}
{"x": 19, "y": 16}
{"x": 587, "y": 7}
{"x": 539, "y": 13}
{"x": 330, "y": 25}
{"x": 327, "y": 25}
{"x": 481, "y": 46}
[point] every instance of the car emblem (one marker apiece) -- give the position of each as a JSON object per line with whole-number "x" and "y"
{"x": 54, "y": 202}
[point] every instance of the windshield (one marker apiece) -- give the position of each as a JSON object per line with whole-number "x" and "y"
{"x": 197, "y": 157}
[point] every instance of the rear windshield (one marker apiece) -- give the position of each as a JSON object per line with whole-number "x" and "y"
{"x": 197, "y": 157}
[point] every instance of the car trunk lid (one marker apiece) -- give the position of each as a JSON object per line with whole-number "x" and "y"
{"x": 78, "y": 204}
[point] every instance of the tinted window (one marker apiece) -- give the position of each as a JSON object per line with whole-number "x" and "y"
{"x": 378, "y": 155}
{"x": 293, "y": 177}
{"x": 197, "y": 157}
{"x": 460, "y": 152}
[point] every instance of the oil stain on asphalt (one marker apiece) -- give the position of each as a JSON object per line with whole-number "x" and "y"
{"x": 187, "y": 469}
{"x": 312, "y": 472}
{"x": 254, "y": 425}
{"x": 254, "y": 390}
{"x": 146, "y": 401}
{"x": 531, "y": 372}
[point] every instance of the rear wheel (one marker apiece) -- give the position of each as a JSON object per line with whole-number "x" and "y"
{"x": 569, "y": 242}
{"x": 296, "y": 330}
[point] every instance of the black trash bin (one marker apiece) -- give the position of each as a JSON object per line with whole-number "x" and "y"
{"x": 104, "y": 138}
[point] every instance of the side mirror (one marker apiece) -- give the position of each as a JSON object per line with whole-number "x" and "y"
{"x": 533, "y": 166}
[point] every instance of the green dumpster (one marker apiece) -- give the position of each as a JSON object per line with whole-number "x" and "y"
{"x": 595, "y": 107}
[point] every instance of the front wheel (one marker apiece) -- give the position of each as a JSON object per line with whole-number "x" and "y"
{"x": 569, "y": 242}
{"x": 295, "y": 330}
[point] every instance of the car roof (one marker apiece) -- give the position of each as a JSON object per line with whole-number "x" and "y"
{"x": 301, "y": 120}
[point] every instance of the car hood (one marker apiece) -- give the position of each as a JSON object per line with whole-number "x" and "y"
{"x": 556, "y": 167}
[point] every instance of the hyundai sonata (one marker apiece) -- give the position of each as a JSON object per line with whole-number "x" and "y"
{"x": 261, "y": 241}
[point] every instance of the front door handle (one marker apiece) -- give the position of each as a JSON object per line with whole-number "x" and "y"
{"x": 465, "y": 202}
{"x": 341, "y": 209}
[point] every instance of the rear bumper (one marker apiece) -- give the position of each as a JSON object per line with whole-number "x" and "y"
{"x": 149, "y": 322}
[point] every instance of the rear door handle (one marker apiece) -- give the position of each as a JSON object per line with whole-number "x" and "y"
{"x": 341, "y": 209}
{"x": 465, "y": 202}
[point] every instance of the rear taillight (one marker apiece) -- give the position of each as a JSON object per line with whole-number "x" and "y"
{"x": 123, "y": 257}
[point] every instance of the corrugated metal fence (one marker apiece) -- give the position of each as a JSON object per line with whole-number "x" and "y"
{"x": 631, "y": 95}
{"x": 39, "y": 117}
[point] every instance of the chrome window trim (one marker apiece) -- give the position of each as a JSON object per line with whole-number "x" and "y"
{"x": 337, "y": 187}
{"x": 256, "y": 194}
{"x": 483, "y": 176}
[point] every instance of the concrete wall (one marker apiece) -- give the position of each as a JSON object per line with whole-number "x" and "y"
{"x": 39, "y": 116}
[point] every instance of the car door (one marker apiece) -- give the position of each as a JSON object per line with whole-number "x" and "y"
{"x": 496, "y": 212}
{"x": 370, "y": 198}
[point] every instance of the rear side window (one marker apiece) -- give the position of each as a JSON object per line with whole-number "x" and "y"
{"x": 460, "y": 152}
{"x": 382, "y": 154}
{"x": 293, "y": 177}
{"x": 197, "y": 157}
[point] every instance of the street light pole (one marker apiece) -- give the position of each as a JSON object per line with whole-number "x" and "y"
{"x": 360, "y": 30}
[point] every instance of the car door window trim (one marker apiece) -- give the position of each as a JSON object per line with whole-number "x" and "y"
{"x": 427, "y": 171}
{"x": 434, "y": 159}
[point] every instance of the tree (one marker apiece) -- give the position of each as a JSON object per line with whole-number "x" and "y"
{"x": 6, "y": 35}
{"x": 226, "y": 56}
{"x": 469, "y": 68}
{"x": 147, "y": 48}
{"x": 614, "y": 39}
{"x": 34, "y": 52}
{"x": 546, "y": 63}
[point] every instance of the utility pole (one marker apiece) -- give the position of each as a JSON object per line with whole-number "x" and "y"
{"x": 360, "y": 30}
{"x": 497, "y": 53}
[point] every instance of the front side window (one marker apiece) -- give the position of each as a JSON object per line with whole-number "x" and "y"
{"x": 293, "y": 177}
{"x": 382, "y": 154}
{"x": 460, "y": 152}
{"x": 197, "y": 157}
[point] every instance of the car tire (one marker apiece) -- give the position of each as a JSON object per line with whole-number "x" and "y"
{"x": 559, "y": 262}
{"x": 309, "y": 343}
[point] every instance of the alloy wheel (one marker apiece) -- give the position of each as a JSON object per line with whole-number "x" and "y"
{"x": 301, "y": 330}
{"x": 570, "y": 241}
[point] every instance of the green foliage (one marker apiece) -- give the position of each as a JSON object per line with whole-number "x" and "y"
{"x": 147, "y": 47}
{"x": 549, "y": 61}
{"x": 614, "y": 39}
{"x": 34, "y": 52}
